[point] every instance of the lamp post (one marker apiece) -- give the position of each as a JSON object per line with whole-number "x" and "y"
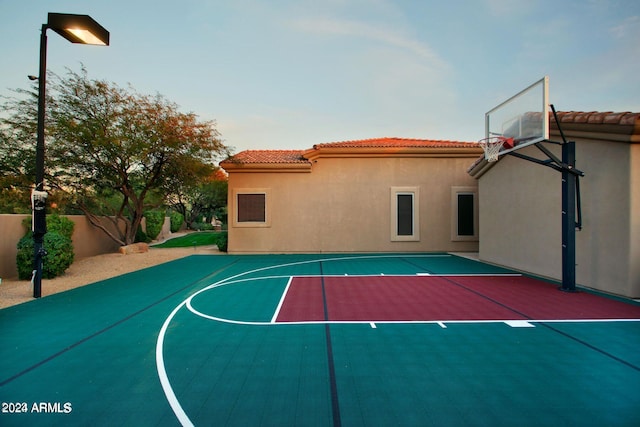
{"x": 77, "y": 29}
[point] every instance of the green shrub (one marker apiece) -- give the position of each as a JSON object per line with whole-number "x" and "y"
{"x": 201, "y": 226}
{"x": 141, "y": 236}
{"x": 59, "y": 255}
{"x": 222, "y": 215}
{"x": 155, "y": 221}
{"x": 24, "y": 258}
{"x": 221, "y": 241}
{"x": 57, "y": 244}
{"x": 60, "y": 224}
{"x": 176, "y": 219}
{"x": 55, "y": 224}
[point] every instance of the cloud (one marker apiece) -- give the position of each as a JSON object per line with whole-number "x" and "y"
{"x": 629, "y": 27}
{"x": 371, "y": 32}
{"x": 388, "y": 77}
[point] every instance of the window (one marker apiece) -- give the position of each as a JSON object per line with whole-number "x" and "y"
{"x": 251, "y": 207}
{"x": 464, "y": 214}
{"x": 405, "y": 214}
{"x": 405, "y": 219}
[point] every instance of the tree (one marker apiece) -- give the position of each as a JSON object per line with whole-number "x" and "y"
{"x": 17, "y": 165}
{"x": 195, "y": 199}
{"x": 113, "y": 150}
{"x": 214, "y": 200}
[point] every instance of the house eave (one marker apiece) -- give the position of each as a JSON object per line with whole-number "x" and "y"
{"x": 266, "y": 167}
{"x": 480, "y": 167}
{"x": 386, "y": 152}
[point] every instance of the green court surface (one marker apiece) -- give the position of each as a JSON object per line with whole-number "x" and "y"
{"x": 199, "y": 341}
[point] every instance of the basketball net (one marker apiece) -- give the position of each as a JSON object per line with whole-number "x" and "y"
{"x": 492, "y": 146}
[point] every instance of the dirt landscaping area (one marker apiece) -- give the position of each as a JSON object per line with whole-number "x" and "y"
{"x": 94, "y": 269}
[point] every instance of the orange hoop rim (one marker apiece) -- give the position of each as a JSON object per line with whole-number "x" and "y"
{"x": 495, "y": 140}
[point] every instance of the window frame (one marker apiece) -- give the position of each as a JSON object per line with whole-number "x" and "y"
{"x": 267, "y": 208}
{"x": 415, "y": 193}
{"x": 455, "y": 192}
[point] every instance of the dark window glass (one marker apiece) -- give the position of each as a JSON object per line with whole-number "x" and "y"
{"x": 251, "y": 207}
{"x": 405, "y": 214}
{"x": 465, "y": 215}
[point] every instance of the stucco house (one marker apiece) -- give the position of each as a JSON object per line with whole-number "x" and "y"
{"x": 374, "y": 195}
{"x": 410, "y": 195}
{"x": 520, "y": 205}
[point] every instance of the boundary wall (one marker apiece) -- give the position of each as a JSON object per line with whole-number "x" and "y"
{"x": 87, "y": 240}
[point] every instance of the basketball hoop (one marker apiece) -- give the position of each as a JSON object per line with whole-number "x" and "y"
{"x": 492, "y": 146}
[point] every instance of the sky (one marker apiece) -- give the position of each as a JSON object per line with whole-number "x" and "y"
{"x": 288, "y": 74}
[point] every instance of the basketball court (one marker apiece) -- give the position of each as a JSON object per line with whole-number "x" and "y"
{"x": 413, "y": 339}
{"x": 358, "y": 339}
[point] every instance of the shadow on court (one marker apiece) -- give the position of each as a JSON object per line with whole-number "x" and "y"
{"x": 319, "y": 340}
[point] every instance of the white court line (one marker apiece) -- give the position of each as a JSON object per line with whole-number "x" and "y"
{"x": 519, "y": 324}
{"x": 516, "y": 323}
{"x": 470, "y": 275}
{"x": 284, "y": 295}
{"x": 513, "y": 323}
{"x": 412, "y": 275}
{"x": 441, "y": 323}
{"x": 162, "y": 373}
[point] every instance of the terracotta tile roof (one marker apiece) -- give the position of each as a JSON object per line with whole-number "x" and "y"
{"x": 599, "y": 125}
{"x": 268, "y": 157}
{"x": 257, "y": 157}
{"x": 393, "y": 142}
{"x": 598, "y": 117}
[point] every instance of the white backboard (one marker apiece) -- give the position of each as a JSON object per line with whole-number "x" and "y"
{"x": 523, "y": 117}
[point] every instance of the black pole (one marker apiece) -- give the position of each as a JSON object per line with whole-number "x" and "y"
{"x": 38, "y": 204}
{"x": 568, "y": 217}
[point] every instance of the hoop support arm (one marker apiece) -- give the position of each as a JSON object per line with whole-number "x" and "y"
{"x": 553, "y": 162}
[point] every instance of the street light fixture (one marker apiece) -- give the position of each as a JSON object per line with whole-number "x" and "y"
{"x": 77, "y": 29}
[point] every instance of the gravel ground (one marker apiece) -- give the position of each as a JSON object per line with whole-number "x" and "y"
{"x": 93, "y": 269}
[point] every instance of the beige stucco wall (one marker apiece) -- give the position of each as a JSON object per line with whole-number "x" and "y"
{"x": 87, "y": 241}
{"x": 520, "y": 216}
{"x": 10, "y": 233}
{"x": 520, "y": 210}
{"x": 634, "y": 232}
{"x": 343, "y": 205}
